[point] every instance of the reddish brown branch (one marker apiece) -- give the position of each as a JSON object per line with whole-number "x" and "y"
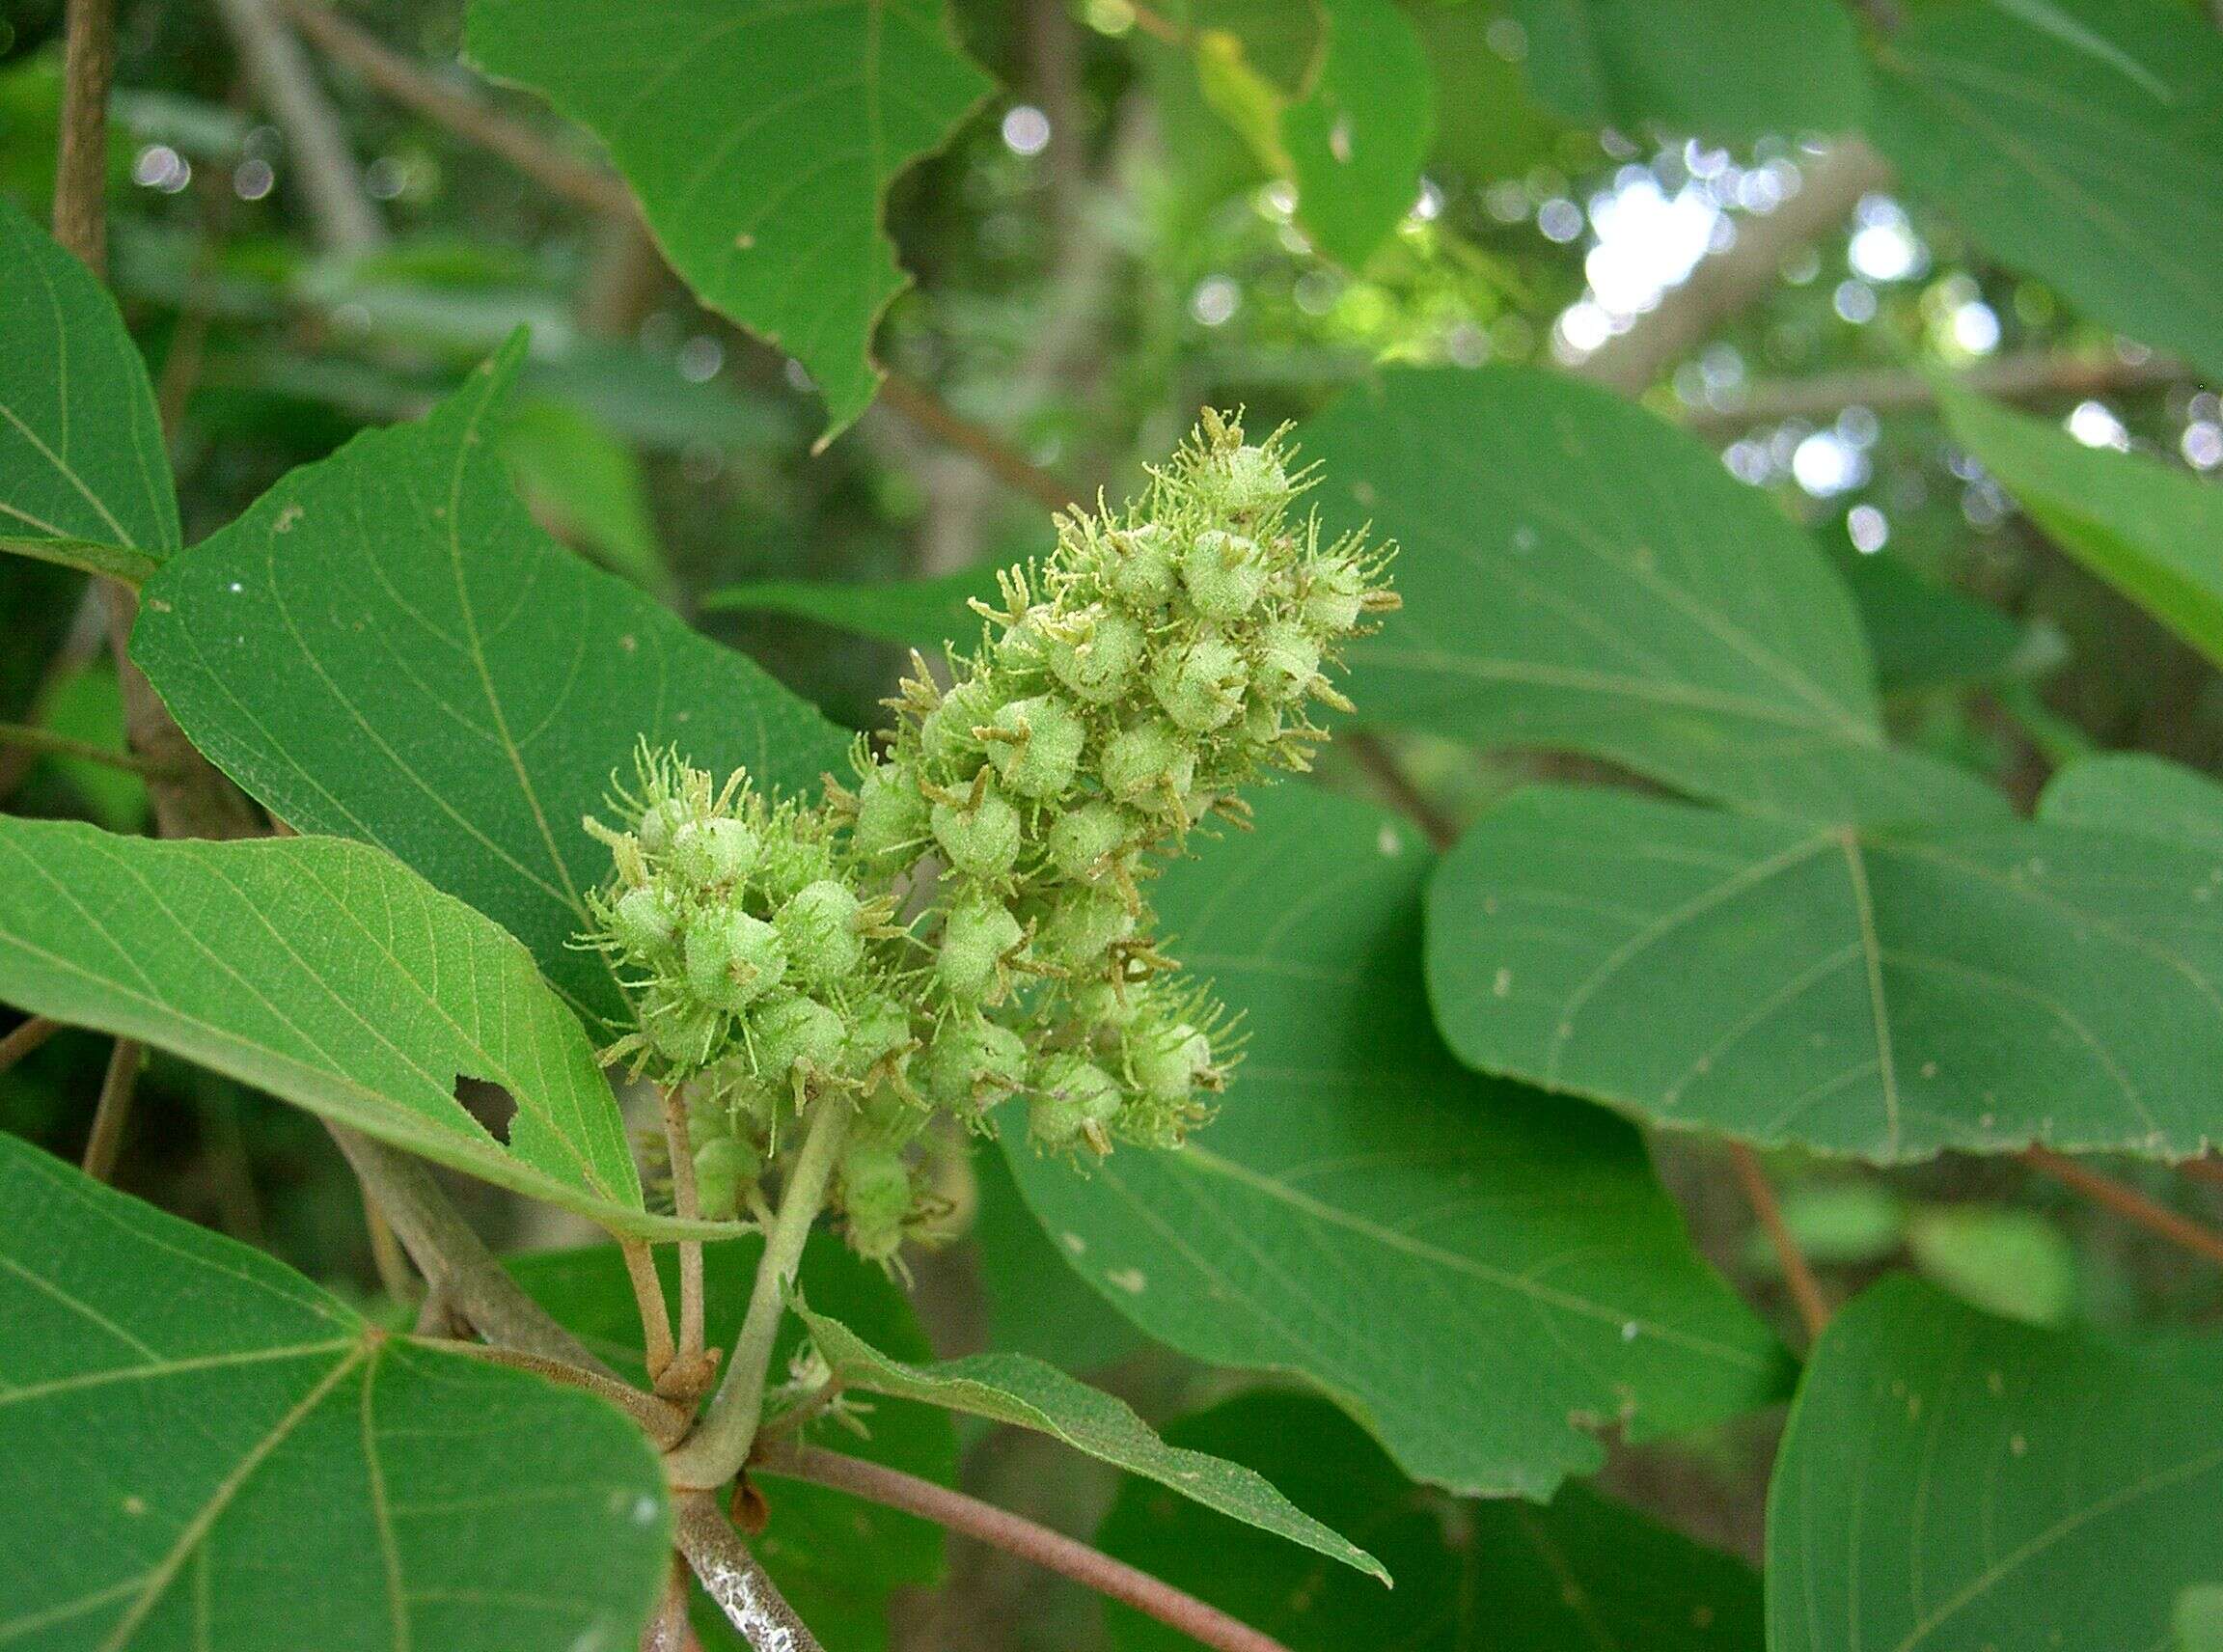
{"x": 1201, "y": 1622}
{"x": 2128, "y": 1202}
{"x": 918, "y": 404}
{"x": 1805, "y": 1289}
{"x": 114, "y": 1110}
{"x": 25, "y": 1039}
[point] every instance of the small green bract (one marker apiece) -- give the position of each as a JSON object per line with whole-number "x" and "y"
{"x": 1124, "y": 692}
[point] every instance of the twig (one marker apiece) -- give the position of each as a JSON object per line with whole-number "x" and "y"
{"x": 717, "y": 1450}
{"x": 415, "y": 88}
{"x": 1201, "y": 1622}
{"x": 1371, "y": 754}
{"x": 1805, "y": 1289}
{"x": 668, "y": 1631}
{"x": 2128, "y": 1202}
{"x": 25, "y": 1038}
{"x": 918, "y": 404}
{"x": 344, "y": 220}
{"x": 50, "y": 744}
{"x": 453, "y": 1259}
{"x": 735, "y": 1579}
{"x": 2209, "y": 1171}
{"x": 687, "y": 1206}
{"x": 659, "y": 1419}
{"x": 2032, "y": 377}
{"x": 81, "y": 167}
{"x": 113, "y": 1109}
{"x": 648, "y": 1297}
{"x": 385, "y": 1256}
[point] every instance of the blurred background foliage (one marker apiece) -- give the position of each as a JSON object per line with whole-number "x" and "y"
{"x": 1107, "y": 245}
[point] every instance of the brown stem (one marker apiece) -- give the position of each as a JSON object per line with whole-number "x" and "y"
{"x": 453, "y": 1259}
{"x": 114, "y": 1110}
{"x": 648, "y": 1298}
{"x": 385, "y": 1256}
{"x": 25, "y": 1038}
{"x": 735, "y": 1579}
{"x": 341, "y": 213}
{"x": 918, "y": 404}
{"x": 686, "y": 1206}
{"x": 81, "y": 168}
{"x": 2209, "y": 1171}
{"x": 659, "y": 1419}
{"x": 668, "y": 1631}
{"x": 1805, "y": 1289}
{"x": 50, "y": 744}
{"x": 1373, "y": 754}
{"x": 1203, "y": 1623}
{"x": 2128, "y": 1202}
{"x": 2030, "y": 376}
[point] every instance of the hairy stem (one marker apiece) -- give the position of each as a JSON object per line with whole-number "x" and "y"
{"x": 1805, "y": 1289}
{"x": 735, "y": 1579}
{"x": 46, "y": 742}
{"x": 668, "y": 1631}
{"x": 1201, "y": 1622}
{"x": 114, "y": 1110}
{"x": 715, "y": 1452}
{"x": 21, "y": 1040}
{"x": 688, "y": 1206}
{"x": 659, "y": 1419}
{"x": 648, "y": 1298}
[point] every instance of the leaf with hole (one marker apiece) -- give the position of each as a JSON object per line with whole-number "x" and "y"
{"x": 762, "y": 137}
{"x": 1025, "y": 1392}
{"x": 1579, "y": 574}
{"x": 329, "y": 975}
{"x": 1581, "y": 1573}
{"x": 1886, "y": 992}
{"x": 1951, "y": 1480}
{"x": 200, "y": 1447}
{"x": 1360, "y": 1212}
{"x": 386, "y": 647}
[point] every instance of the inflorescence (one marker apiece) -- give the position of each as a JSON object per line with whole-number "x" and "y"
{"x": 971, "y": 923}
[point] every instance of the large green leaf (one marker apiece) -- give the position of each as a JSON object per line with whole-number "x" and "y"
{"x": 199, "y": 1449}
{"x": 1577, "y": 573}
{"x": 761, "y": 136}
{"x": 81, "y": 454}
{"x": 2145, "y": 796}
{"x": 919, "y": 613}
{"x": 1953, "y": 1483}
{"x": 835, "y": 1559}
{"x": 1357, "y": 137}
{"x": 1025, "y": 1392}
{"x": 2151, "y": 530}
{"x": 2081, "y": 142}
{"x": 325, "y": 973}
{"x": 1580, "y": 1575}
{"x": 1884, "y": 992}
{"x": 386, "y": 647}
{"x": 1928, "y": 635}
{"x": 1480, "y": 1275}
{"x": 1722, "y": 69}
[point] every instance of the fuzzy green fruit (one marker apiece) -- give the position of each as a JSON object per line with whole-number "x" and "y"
{"x": 891, "y": 815}
{"x": 791, "y": 1031}
{"x": 946, "y": 733}
{"x": 972, "y": 1065}
{"x": 979, "y": 840}
{"x": 1254, "y": 482}
{"x": 1086, "y": 842}
{"x": 975, "y": 940}
{"x": 1335, "y": 597}
{"x": 1095, "y": 655}
{"x": 1073, "y": 1101}
{"x": 1044, "y": 752}
{"x": 716, "y": 853}
{"x": 1288, "y": 661}
{"x": 722, "y": 1167}
{"x": 731, "y": 958}
{"x": 1200, "y": 687}
{"x": 1224, "y": 574}
{"x": 819, "y": 926}
{"x": 659, "y": 823}
{"x": 1144, "y": 762}
{"x": 1141, "y": 573}
{"x": 1168, "y": 1061}
{"x": 1083, "y": 927}
{"x": 646, "y": 922}
{"x": 875, "y": 1194}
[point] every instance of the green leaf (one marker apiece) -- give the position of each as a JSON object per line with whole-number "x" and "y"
{"x": 1950, "y": 1481}
{"x": 328, "y": 975}
{"x": 386, "y": 647}
{"x": 1036, "y": 1303}
{"x": 2151, "y": 530}
{"x": 1027, "y": 1393}
{"x": 88, "y": 704}
{"x": 1488, "y": 122}
{"x": 918, "y": 613}
{"x": 1884, "y": 992}
{"x": 588, "y": 487}
{"x": 1581, "y": 1575}
{"x": 81, "y": 454}
{"x": 1357, "y": 137}
{"x": 86, "y": 556}
{"x": 1361, "y": 1211}
{"x": 2099, "y": 171}
{"x": 761, "y": 136}
{"x": 2142, "y": 795}
{"x": 2015, "y": 1263}
{"x": 1635, "y": 63}
{"x": 198, "y": 1448}
{"x": 1927, "y": 635}
{"x": 1577, "y": 573}
{"x": 836, "y": 1558}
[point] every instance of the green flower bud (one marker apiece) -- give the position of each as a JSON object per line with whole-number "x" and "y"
{"x": 789, "y": 1032}
{"x": 818, "y": 923}
{"x": 659, "y": 822}
{"x": 1084, "y": 840}
{"x": 1141, "y": 572}
{"x": 1096, "y": 655}
{"x": 1200, "y": 686}
{"x": 1145, "y": 760}
{"x": 946, "y": 732}
{"x": 684, "y": 1033}
{"x": 1083, "y": 927}
{"x": 1104, "y": 1004}
{"x": 1334, "y": 596}
{"x": 714, "y": 853}
{"x": 722, "y": 1167}
{"x": 1224, "y": 574}
{"x": 891, "y": 814}
{"x": 645, "y": 920}
{"x": 879, "y": 1028}
{"x": 1073, "y": 1101}
{"x": 875, "y": 1193}
{"x": 1041, "y": 758}
{"x": 732, "y": 958}
{"x": 1288, "y": 661}
{"x": 975, "y": 940}
{"x": 981, "y": 840}
{"x": 1256, "y": 481}
{"x": 972, "y": 1065}
{"x": 1168, "y": 1061}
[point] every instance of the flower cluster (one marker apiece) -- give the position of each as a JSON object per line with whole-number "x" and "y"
{"x": 1127, "y": 688}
